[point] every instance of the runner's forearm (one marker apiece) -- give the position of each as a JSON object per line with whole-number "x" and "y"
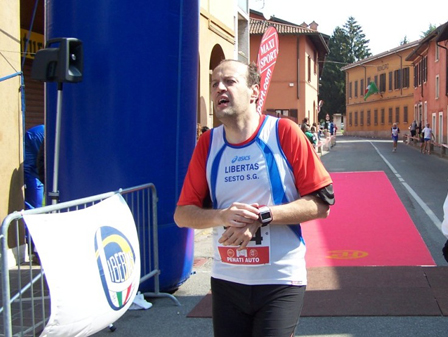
{"x": 304, "y": 209}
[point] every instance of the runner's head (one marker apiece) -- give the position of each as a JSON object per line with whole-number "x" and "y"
{"x": 253, "y": 76}
{"x": 234, "y": 89}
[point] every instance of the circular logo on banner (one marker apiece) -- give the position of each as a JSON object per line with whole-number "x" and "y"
{"x": 230, "y": 252}
{"x": 116, "y": 263}
{"x": 347, "y": 254}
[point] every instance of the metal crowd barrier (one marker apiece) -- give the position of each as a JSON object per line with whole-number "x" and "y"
{"x": 25, "y": 305}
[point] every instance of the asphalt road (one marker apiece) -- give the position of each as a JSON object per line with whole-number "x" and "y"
{"x": 420, "y": 180}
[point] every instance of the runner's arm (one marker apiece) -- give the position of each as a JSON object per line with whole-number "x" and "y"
{"x": 307, "y": 208}
{"x": 304, "y": 209}
{"x": 237, "y": 215}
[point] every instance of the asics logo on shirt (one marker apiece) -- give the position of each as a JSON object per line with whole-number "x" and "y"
{"x": 240, "y": 158}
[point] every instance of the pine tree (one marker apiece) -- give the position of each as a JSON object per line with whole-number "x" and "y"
{"x": 332, "y": 80}
{"x": 358, "y": 44}
{"x": 430, "y": 29}
{"x": 347, "y": 45}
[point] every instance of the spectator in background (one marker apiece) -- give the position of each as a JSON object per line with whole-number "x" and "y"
{"x": 413, "y": 129}
{"x": 305, "y": 121}
{"x": 395, "y": 131}
{"x": 427, "y": 137}
{"x": 40, "y": 162}
{"x": 34, "y": 187}
{"x": 311, "y": 137}
{"x": 204, "y": 129}
{"x": 200, "y": 130}
{"x": 316, "y": 131}
{"x": 418, "y": 129}
{"x": 304, "y": 124}
{"x": 315, "y": 136}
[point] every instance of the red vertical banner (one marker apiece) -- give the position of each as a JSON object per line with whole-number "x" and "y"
{"x": 267, "y": 57}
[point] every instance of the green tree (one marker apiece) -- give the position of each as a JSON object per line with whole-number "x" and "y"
{"x": 332, "y": 80}
{"x": 347, "y": 45}
{"x": 358, "y": 44}
{"x": 430, "y": 29}
{"x": 405, "y": 41}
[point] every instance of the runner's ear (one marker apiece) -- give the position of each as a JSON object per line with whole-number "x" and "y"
{"x": 255, "y": 93}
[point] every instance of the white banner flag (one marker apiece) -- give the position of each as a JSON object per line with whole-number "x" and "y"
{"x": 91, "y": 260}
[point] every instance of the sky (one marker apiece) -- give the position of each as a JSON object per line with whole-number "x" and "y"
{"x": 384, "y": 23}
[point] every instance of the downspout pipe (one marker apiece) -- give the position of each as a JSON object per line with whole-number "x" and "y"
{"x": 401, "y": 74}
{"x": 446, "y": 61}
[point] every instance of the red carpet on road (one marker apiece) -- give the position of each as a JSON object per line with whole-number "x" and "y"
{"x": 367, "y": 226}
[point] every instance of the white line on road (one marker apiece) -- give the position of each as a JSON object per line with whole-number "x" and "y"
{"x": 422, "y": 204}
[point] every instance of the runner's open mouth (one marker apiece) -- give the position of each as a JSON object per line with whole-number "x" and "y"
{"x": 223, "y": 101}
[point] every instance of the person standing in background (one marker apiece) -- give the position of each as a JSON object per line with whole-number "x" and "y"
{"x": 413, "y": 130}
{"x": 427, "y": 137}
{"x": 395, "y": 131}
{"x": 34, "y": 187}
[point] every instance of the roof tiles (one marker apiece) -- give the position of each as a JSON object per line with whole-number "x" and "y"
{"x": 259, "y": 27}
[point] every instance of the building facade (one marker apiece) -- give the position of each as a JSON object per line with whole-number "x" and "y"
{"x": 294, "y": 88}
{"x": 11, "y": 127}
{"x": 393, "y": 103}
{"x": 430, "y": 82}
{"x": 235, "y": 32}
{"x": 224, "y": 34}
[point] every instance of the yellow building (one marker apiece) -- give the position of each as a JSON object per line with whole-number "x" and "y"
{"x": 394, "y": 101}
{"x": 223, "y": 34}
{"x": 11, "y": 127}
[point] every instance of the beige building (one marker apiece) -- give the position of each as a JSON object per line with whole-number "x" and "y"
{"x": 11, "y": 127}
{"x": 223, "y": 34}
{"x": 394, "y": 101}
{"x": 20, "y": 109}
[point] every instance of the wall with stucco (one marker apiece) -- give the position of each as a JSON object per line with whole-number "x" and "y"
{"x": 11, "y": 149}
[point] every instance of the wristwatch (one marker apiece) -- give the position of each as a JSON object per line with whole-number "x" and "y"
{"x": 265, "y": 216}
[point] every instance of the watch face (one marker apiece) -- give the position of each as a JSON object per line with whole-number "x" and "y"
{"x": 265, "y": 215}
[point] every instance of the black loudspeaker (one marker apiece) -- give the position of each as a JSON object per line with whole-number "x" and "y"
{"x": 61, "y": 63}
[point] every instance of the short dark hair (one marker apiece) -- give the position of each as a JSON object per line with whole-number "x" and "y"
{"x": 253, "y": 76}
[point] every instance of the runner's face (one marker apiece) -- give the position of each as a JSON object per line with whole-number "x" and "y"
{"x": 230, "y": 93}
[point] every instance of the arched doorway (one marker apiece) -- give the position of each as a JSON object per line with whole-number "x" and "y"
{"x": 216, "y": 57}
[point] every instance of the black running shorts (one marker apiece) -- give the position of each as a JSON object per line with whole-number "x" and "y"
{"x": 255, "y": 310}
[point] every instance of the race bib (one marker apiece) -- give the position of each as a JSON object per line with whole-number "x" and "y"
{"x": 257, "y": 252}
